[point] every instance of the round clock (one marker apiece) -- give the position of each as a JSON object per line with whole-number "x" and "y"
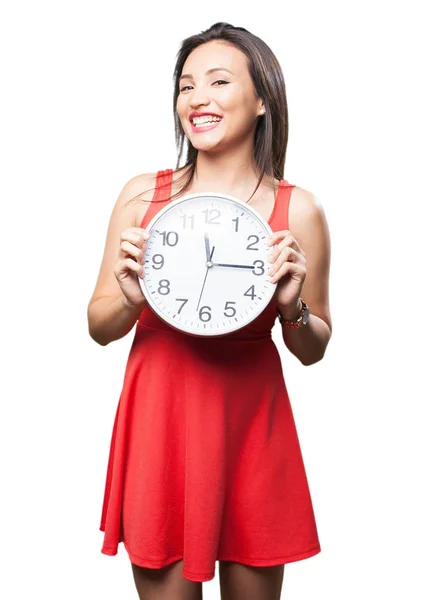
{"x": 206, "y": 269}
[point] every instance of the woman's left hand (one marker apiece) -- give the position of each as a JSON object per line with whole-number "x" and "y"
{"x": 289, "y": 264}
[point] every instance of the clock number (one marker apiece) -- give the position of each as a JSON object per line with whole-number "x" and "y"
{"x": 252, "y": 290}
{"x": 261, "y": 267}
{"x": 167, "y": 238}
{"x": 226, "y": 308}
{"x": 183, "y": 300}
{"x": 156, "y": 262}
{"x": 206, "y": 313}
{"x": 236, "y": 221}
{"x": 249, "y": 247}
{"x": 190, "y": 217}
{"x": 217, "y": 214}
{"x": 164, "y": 286}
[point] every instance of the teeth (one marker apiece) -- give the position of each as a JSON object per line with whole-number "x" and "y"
{"x": 204, "y": 124}
{"x": 201, "y": 120}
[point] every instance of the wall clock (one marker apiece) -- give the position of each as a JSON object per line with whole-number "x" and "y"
{"x": 206, "y": 269}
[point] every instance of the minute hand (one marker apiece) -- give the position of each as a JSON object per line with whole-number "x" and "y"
{"x": 234, "y": 266}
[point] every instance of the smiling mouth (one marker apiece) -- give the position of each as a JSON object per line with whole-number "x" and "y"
{"x": 205, "y": 125}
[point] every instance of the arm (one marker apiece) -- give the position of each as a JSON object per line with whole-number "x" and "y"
{"x": 110, "y": 315}
{"x": 111, "y": 318}
{"x": 308, "y": 224}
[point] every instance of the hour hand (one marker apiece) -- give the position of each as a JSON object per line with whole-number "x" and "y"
{"x": 206, "y": 241}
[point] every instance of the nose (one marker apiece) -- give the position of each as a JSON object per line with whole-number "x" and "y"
{"x": 198, "y": 98}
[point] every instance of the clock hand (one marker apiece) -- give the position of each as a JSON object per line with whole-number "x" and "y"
{"x": 206, "y": 240}
{"x": 205, "y": 277}
{"x": 235, "y": 266}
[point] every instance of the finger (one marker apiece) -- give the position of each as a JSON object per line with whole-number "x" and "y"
{"x": 127, "y": 264}
{"x": 278, "y": 248}
{"x": 286, "y": 254}
{"x": 134, "y": 235}
{"x": 287, "y": 239}
{"x": 133, "y": 266}
{"x": 275, "y": 236}
{"x": 143, "y": 232}
{"x": 287, "y": 267}
{"x": 133, "y": 250}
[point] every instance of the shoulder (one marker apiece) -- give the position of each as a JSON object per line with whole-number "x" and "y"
{"x": 141, "y": 186}
{"x": 135, "y": 193}
{"x": 306, "y": 212}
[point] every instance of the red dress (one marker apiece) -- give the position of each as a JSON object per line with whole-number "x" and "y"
{"x": 205, "y": 462}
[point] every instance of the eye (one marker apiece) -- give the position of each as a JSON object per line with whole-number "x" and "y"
{"x": 217, "y": 81}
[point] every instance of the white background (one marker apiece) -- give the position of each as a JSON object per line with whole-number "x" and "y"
{"x": 86, "y": 105}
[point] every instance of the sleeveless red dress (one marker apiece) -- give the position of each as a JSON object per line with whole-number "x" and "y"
{"x": 205, "y": 462}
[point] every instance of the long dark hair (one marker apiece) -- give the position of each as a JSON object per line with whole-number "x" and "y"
{"x": 271, "y": 133}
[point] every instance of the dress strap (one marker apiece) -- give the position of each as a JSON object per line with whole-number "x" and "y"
{"x": 163, "y": 191}
{"x": 280, "y": 218}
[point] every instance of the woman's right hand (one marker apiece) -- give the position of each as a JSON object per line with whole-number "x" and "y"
{"x": 129, "y": 265}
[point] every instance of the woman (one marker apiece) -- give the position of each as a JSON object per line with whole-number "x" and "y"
{"x": 207, "y": 466}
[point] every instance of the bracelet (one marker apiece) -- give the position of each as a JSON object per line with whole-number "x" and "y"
{"x": 299, "y": 321}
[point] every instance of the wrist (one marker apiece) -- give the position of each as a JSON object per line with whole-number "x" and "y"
{"x": 291, "y": 313}
{"x": 137, "y": 308}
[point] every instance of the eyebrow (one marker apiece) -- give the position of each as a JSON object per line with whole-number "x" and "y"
{"x": 189, "y": 76}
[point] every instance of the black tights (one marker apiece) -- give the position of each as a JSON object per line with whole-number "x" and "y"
{"x": 237, "y": 582}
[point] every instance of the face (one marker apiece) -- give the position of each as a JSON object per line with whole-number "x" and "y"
{"x": 227, "y": 93}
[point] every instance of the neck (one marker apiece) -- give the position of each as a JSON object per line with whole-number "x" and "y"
{"x": 233, "y": 172}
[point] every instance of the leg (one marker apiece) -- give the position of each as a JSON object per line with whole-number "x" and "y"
{"x": 166, "y": 583}
{"x": 243, "y": 582}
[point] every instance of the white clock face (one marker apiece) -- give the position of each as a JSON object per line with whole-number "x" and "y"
{"x": 206, "y": 269}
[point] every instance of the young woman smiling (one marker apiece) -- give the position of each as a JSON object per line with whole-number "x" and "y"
{"x": 205, "y": 463}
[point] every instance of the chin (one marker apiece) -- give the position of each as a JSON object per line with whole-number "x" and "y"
{"x": 207, "y": 145}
